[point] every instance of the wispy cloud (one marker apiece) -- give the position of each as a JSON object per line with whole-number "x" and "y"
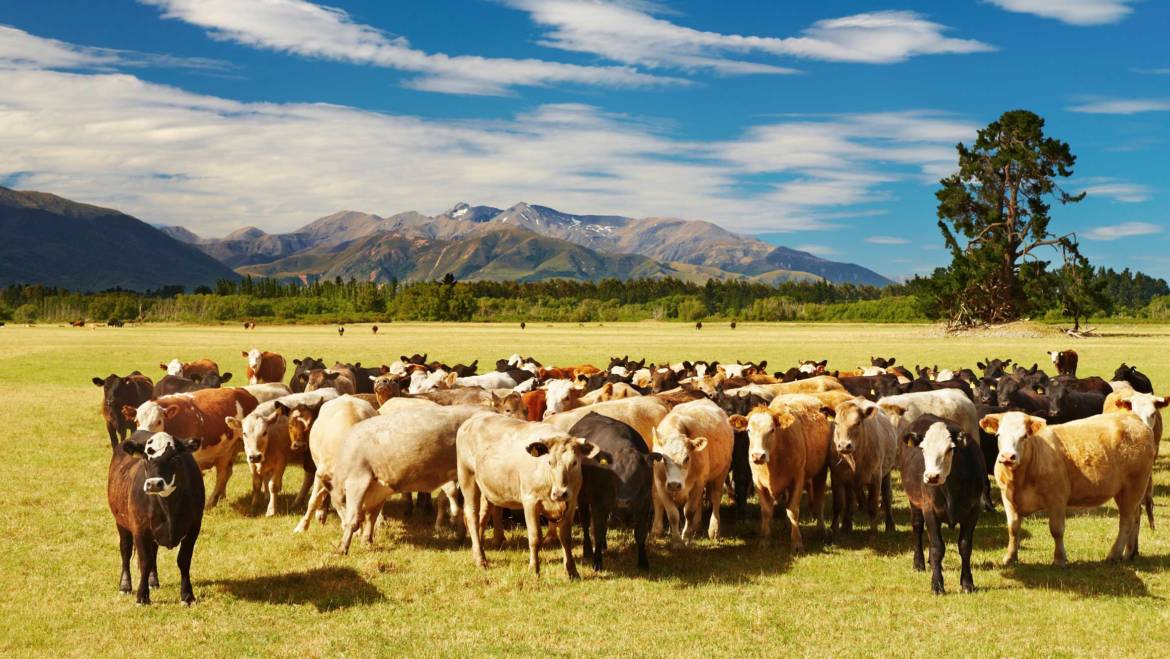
{"x": 636, "y": 33}
{"x": 886, "y": 240}
{"x": 1130, "y": 193}
{"x": 317, "y": 31}
{"x": 19, "y": 49}
{"x": 818, "y": 250}
{"x": 1122, "y": 106}
{"x": 1073, "y": 12}
{"x": 1123, "y": 230}
{"x": 1153, "y": 72}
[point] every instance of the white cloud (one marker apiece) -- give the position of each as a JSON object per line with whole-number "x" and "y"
{"x": 1130, "y": 193}
{"x": 823, "y": 251}
{"x": 631, "y": 33}
{"x": 311, "y": 30}
{"x": 1123, "y": 230}
{"x": 1122, "y": 106}
{"x": 1073, "y": 12}
{"x": 212, "y": 164}
{"x": 887, "y": 240}
{"x": 21, "y": 50}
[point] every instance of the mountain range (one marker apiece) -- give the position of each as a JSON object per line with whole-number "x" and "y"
{"x": 62, "y": 243}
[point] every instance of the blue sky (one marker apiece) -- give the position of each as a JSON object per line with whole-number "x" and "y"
{"x": 823, "y": 126}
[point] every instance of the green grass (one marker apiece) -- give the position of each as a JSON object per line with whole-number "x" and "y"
{"x": 263, "y": 590}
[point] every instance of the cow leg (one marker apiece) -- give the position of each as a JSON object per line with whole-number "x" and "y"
{"x": 126, "y": 547}
{"x": 586, "y": 541}
{"x": 988, "y": 503}
{"x": 659, "y": 510}
{"x": 114, "y": 434}
{"x": 817, "y": 500}
{"x": 186, "y": 550}
{"x": 873, "y": 495}
{"x": 888, "y": 503}
{"x": 223, "y": 471}
{"x": 672, "y": 515}
{"x": 600, "y": 530}
{"x": 849, "y": 494}
{"x": 257, "y": 488}
{"x": 315, "y": 502}
{"x": 426, "y": 504}
{"x": 408, "y": 501}
{"x": 471, "y": 504}
{"x": 565, "y": 537}
{"x": 498, "y": 525}
{"x": 306, "y": 483}
{"x": 767, "y": 508}
{"x": 715, "y": 495}
{"x": 275, "y": 485}
{"x": 917, "y": 523}
{"x": 532, "y": 521}
{"x": 838, "y": 508}
{"x": 741, "y": 475}
{"x": 1013, "y": 523}
{"x": 793, "y": 511}
{"x": 1129, "y": 512}
{"x": 692, "y": 513}
{"x": 641, "y": 530}
{"x": 937, "y": 549}
{"x": 966, "y": 541}
{"x": 145, "y": 567}
{"x": 1056, "y": 527}
{"x": 355, "y": 495}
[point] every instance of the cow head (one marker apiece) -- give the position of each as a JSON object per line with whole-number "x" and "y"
{"x": 510, "y": 405}
{"x": 560, "y": 455}
{"x": 385, "y": 387}
{"x": 938, "y": 446}
{"x": 161, "y": 453}
{"x": 300, "y": 422}
{"x": 1146, "y": 406}
{"x": 675, "y": 453}
{"x": 150, "y": 415}
{"x": 1012, "y": 430}
{"x": 561, "y": 396}
{"x": 173, "y": 367}
{"x": 848, "y": 428}
{"x": 320, "y": 378}
{"x": 255, "y": 429}
{"x": 111, "y": 386}
{"x": 212, "y": 380}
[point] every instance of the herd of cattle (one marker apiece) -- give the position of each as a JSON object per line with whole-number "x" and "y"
{"x": 653, "y": 445}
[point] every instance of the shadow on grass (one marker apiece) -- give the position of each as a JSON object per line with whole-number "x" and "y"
{"x": 1090, "y": 579}
{"x": 243, "y": 504}
{"x": 326, "y": 588}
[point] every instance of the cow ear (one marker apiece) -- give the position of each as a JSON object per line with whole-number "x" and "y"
{"x": 162, "y": 366}
{"x": 1159, "y": 403}
{"x": 132, "y": 447}
{"x": 191, "y": 444}
{"x": 890, "y": 362}
{"x": 383, "y": 369}
{"x": 784, "y": 420}
{"x": 653, "y": 457}
{"x": 870, "y": 411}
{"x": 296, "y": 362}
{"x": 698, "y": 443}
{"x": 738, "y": 422}
{"x": 1127, "y": 404}
{"x": 1035, "y": 425}
{"x": 280, "y": 407}
{"x": 332, "y": 376}
{"x": 892, "y": 409}
{"x": 586, "y": 448}
{"x": 99, "y": 382}
{"x": 233, "y": 423}
{"x": 537, "y": 449}
{"x": 244, "y": 353}
{"x": 762, "y": 365}
{"x": 911, "y": 439}
{"x": 828, "y": 411}
{"x": 990, "y": 423}
{"x": 225, "y": 377}
{"x": 981, "y": 365}
{"x": 171, "y": 411}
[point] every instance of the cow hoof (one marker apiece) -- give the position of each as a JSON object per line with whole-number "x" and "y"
{"x": 938, "y": 590}
{"x": 919, "y": 567}
{"x": 969, "y": 588}
{"x": 299, "y": 528}
{"x": 189, "y": 600}
{"x": 1010, "y": 559}
{"x": 644, "y": 566}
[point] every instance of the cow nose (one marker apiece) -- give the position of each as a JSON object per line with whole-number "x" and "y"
{"x": 930, "y": 479}
{"x": 673, "y": 486}
{"x": 847, "y": 447}
{"x": 759, "y": 457}
{"x": 255, "y": 457}
{"x": 560, "y": 493}
{"x": 1007, "y": 459}
{"x": 153, "y": 485}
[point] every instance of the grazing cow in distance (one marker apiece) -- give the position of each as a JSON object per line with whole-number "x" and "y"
{"x": 733, "y": 324}
{"x": 520, "y": 465}
{"x": 155, "y": 492}
{"x": 699, "y": 325}
{"x": 1134, "y": 377}
{"x": 117, "y": 393}
{"x": 1065, "y": 362}
{"x": 374, "y": 329}
{"x": 523, "y": 325}
{"x": 1081, "y": 464}
{"x": 264, "y": 366}
{"x": 340, "y": 331}
{"x": 944, "y": 477}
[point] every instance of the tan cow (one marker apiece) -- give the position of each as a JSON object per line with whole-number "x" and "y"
{"x": 406, "y": 449}
{"x": 1148, "y": 408}
{"x": 788, "y": 446}
{"x": 865, "y": 449}
{"x": 509, "y": 463}
{"x": 267, "y": 391}
{"x": 339, "y": 377}
{"x": 200, "y": 414}
{"x": 1080, "y": 464}
{"x": 642, "y": 413}
{"x": 268, "y": 449}
{"x": 333, "y": 423}
{"x": 693, "y": 443}
{"x": 609, "y": 391}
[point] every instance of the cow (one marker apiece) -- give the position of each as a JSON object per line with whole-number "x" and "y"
{"x": 561, "y": 396}
{"x": 268, "y": 450}
{"x": 949, "y": 404}
{"x": 300, "y": 376}
{"x": 535, "y": 404}
{"x": 608, "y": 391}
{"x": 1066, "y": 404}
{"x": 1065, "y": 361}
{"x": 643, "y": 413}
{"x": 200, "y": 414}
{"x": 155, "y": 493}
{"x": 1134, "y": 377}
{"x": 374, "y": 329}
{"x": 863, "y": 454}
{"x": 622, "y": 481}
{"x": 1080, "y": 464}
{"x": 741, "y": 468}
{"x": 509, "y": 463}
{"x": 493, "y": 380}
{"x": 117, "y": 393}
{"x": 693, "y": 442}
{"x": 268, "y": 391}
{"x": 944, "y": 477}
{"x": 994, "y": 368}
{"x": 332, "y": 425}
{"x": 405, "y": 449}
{"x": 1146, "y": 407}
{"x": 882, "y": 362}
{"x": 340, "y": 331}
{"x": 176, "y": 384}
{"x": 1015, "y": 393}
{"x": 789, "y": 451}
{"x": 339, "y": 377}
{"x": 264, "y": 366}
{"x": 200, "y": 367}
{"x": 385, "y": 388}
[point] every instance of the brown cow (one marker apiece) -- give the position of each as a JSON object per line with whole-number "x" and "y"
{"x": 264, "y": 366}
{"x": 199, "y": 367}
{"x": 535, "y": 404}
{"x": 200, "y": 414}
{"x": 117, "y": 392}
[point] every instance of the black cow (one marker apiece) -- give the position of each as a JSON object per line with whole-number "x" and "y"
{"x": 623, "y": 485}
{"x": 1013, "y": 393}
{"x": 1134, "y": 377}
{"x": 882, "y": 362}
{"x": 989, "y": 444}
{"x": 466, "y": 370}
{"x": 741, "y": 468}
{"x": 155, "y": 491}
{"x": 177, "y": 384}
{"x": 1066, "y": 404}
{"x": 993, "y": 368}
{"x": 300, "y": 376}
{"x": 117, "y": 391}
{"x": 944, "y": 476}
{"x": 365, "y": 377}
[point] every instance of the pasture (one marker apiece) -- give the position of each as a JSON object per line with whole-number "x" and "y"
{"x": 262, "y": 590}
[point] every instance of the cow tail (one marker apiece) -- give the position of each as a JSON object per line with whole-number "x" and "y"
{"x": 1149, "y": 503}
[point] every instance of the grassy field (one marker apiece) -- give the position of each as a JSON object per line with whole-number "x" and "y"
{"x": 264, "y": 591}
